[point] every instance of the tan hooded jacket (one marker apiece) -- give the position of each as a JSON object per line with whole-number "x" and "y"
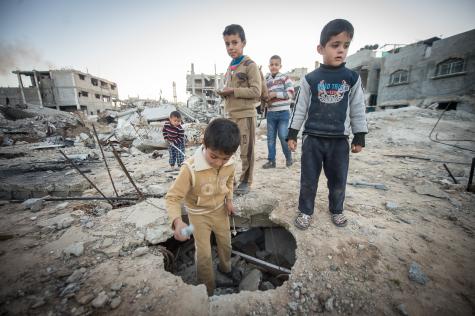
{"x": 203, "y": 187}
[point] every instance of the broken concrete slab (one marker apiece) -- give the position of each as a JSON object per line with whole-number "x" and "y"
{"x": 428, "y": 188}
{"x": 415, "y": 274}
{"x": 71, "y": 236}
{"x": 254, "y": 208}
{"x": 140, "y": 252}
{"x": 58, "y": 222}
{"x": 76, "y": 249}
{"x": 251, "y": 281}
{"x": 157, "y": 234}
{"x": 100, "y": 300}
{"x": 33, "y": 205}
{"x": 146, "y": 213}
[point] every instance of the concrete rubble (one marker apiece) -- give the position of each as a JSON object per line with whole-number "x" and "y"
{"x": 407, "y": 249}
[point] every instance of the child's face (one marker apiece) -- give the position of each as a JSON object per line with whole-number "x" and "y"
{"x": 274, "y": 66}
{"x": 216, "y": 158}
{"x": 335, "y": 50}
{"x": 234, "y": 45}
{"x": 175, "y": 121}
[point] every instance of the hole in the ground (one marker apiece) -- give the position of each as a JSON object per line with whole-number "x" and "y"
{"x": 261, "y": 259}
{"x": 451, "y": 105}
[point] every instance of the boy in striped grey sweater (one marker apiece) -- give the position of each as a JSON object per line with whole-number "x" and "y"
{"x": 281, "y": 91}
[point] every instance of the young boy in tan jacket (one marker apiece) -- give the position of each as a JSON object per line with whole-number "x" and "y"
{"x": 242, "y": 93}
{"x": 205, "y": 183}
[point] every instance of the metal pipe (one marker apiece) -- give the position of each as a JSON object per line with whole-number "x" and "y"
{"x": 105, "y": 160}
{"x": 450, "y": 173}
{"x": 91, "y": 198}
{"x": 262, "y": 263}
{"x": 126, "y": 172}
{"x": 78, "y": 170}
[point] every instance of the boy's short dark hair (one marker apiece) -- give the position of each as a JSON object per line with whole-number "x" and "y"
{"x": 175, "y": 114}
{"x": 335, "y": 27}
{"x": 234, "y": 29}
{"x": 223, "y": 135}
{"x": 276, "y": 57}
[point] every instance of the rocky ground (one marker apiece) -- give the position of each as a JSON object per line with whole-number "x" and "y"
{"x": 408, "y": 249}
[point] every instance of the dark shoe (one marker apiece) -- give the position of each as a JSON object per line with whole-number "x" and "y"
{"x": 303, "y": 221}
{"x": 269, "y": 164}
{"x": 243, "y": 188}
{"x": 339, "y": 220}
{"x": 289, "y": 163}
{"x": 235, "y": 274}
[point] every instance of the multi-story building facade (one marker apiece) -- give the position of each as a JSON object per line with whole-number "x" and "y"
{"x": 66, "y": 90}
{"x": 430, "y": 71}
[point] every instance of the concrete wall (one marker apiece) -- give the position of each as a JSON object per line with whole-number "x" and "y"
{"x": 408, "y": 58}
{"x": 455, "y": 87}
{"x": 12, "y": 94}
{"x": 421, "y": 61}
{"x": 368, "y": 66}
{"x": 64, "y": 92}
{"x": 360, "y": 58}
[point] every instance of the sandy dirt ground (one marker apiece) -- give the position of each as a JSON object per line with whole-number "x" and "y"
{"x": 408, "y": 248}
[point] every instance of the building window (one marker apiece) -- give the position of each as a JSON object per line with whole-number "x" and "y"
{"x": 450, "y": 66}
{"x": 82, "y": 77}
{"x": 83, "y": 94}
{"x": 399, "y": 77}
{"x": 104, "y": 85}
{"x": 112, "y": 86}
{"x": 106, "y": 98}
{"x": 94, "y": 82}
{"x": 98, "y": 96}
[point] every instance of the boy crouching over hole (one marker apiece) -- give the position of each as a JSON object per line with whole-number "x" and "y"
{"x": 205, "y": 183}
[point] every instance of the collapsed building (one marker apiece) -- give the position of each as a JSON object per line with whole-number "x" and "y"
{"x": 430, "y": 71}
{"x": 66, "y": 90}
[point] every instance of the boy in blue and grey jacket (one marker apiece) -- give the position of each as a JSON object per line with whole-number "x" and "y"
{"x": 329, "y": 105}
{"x": 281, "y": 92}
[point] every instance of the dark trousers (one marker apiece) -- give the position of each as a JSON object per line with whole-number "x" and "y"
{"x": 333, "y": 154}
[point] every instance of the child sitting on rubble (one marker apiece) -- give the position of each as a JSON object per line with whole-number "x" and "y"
{"x": 205, "y": 183}
{"x": 329, "y": 105}
{"x": 174, "y": 133}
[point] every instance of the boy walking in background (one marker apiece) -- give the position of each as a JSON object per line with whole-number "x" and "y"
{"x": 205, "y": 183}
{"x": 174, "y": 133}
{"x": 281, "y": 91}
{"x": 242, "y": 93}
{"x": 330, "y": 103}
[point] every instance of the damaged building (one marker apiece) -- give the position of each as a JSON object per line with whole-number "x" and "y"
{"x": 65, "y": 90}
{"x": 431, "y": 71}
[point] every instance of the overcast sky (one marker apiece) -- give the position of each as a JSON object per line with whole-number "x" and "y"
{"x": 144, "y": 46}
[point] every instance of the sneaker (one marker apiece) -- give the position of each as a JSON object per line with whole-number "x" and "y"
{"x": 339, "y": 220}
{"x": 243, "y": 188}
{"x": 269, "y": 164}
{"x": 289, "y": 163}
{"x": 303, "y": 221}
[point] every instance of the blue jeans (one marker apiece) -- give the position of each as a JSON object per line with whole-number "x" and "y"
{"x": 277, "y": 124}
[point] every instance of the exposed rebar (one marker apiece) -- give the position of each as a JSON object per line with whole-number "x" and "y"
{"x": 116, "y": 154}
{"x": 79, "y": 170}
{"x": 104, "y": 157}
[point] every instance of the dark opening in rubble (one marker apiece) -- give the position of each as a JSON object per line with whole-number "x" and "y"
{"x": 262, "y": 258}
{"x": 447, "y": 106}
